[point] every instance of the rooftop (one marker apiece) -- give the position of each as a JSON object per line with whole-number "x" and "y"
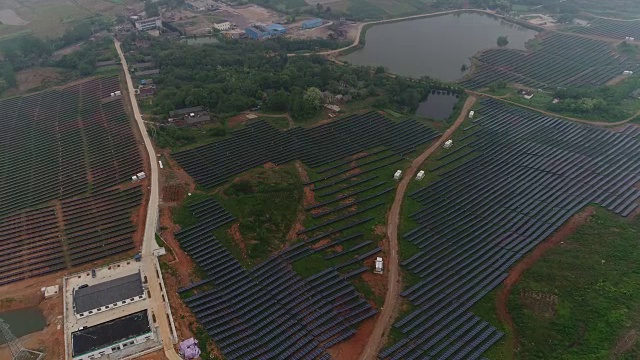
{"x": 194, "y": 109}
{"x": 109, "y": 333}
{"x": 108, "y": 292}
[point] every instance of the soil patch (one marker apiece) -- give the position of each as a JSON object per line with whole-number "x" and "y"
{"x": 352, "y": 348}
{"x": 234, "y": 231}
{"x": 173, "y": 193}
{"x": 516, "y": 272}
{"x": 35, "y": 77}
{"x": 542, "y": 304}
{"x": 624, "y": 344}
{"x": 270, "y": 165}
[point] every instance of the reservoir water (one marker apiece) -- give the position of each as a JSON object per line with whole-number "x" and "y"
{"x": 436, "y": 46}
{"x": 438, "y": 105}
{"x": 23, "y": 321}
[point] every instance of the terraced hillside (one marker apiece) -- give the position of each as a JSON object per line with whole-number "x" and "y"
{"x": 558, "y": 60}
{"x": 506, "y": 186}
{"x": 64, "y": 151}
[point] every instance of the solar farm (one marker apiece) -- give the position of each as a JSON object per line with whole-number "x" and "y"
{"x": 559, "y": 60}
{"x": 512, "y": 180}
{"x": 611, "y": 28}
{"x": 64, "y": 152}
{"x": 271, "y": 311}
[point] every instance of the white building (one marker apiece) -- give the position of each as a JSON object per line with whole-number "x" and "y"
{"x": 149, "y": 24}
{"x": 222, "y": 26}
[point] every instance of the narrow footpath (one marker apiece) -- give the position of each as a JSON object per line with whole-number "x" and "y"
{"x": 389, "y": 311}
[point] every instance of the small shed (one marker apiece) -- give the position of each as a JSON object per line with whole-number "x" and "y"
{"x": 50, "y": 291}
{"x": 420, "y": 175}
{"x": 397, "y": 175}
{"x": 448, "y": 144}
{"x": 379, "y": 265}
{"x": 188, "y": 349}
{"x": 471, "y": 113}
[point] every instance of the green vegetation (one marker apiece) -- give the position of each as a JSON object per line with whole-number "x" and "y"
{"x": 627, "y": 49}
{"x": 234, "y": 76}
{"x": 592, "y": 294}
{"x": 266, "y": 205}
{"x": 182, "y": 216}
{"x": 179, "y": 138}
{"x": 502, "y": 41}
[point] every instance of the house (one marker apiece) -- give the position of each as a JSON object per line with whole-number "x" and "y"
{"x": 149, "y": 24}
{"x": 253, "y": 32}
{"x": 143, "y": 65}
{"x": 327, "y": 97}
{"x": 264, "y": 31}
{"x": 189, "y": 116}
{"x": 145, "y": 91}
{"x": 310, "y": 24}
{"x": 106, "y": 63}
{"x": 555, "y": 101}
{"x": 332, "y": 107}
{"x": 275, "y": 29}
{"x": 222, "y": 26}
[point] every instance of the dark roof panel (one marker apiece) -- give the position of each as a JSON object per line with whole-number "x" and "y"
{"x": 108, "y": 292}
{"x": 111, "y": 332}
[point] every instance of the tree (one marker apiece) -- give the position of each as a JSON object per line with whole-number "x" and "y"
{"x": 151, "y": 9}
{"x": 319, "y": 7}
{"x": 464, "y": 68}
{"x": 502, "y": 41}
{"x": 278, "y": 101}
{"x": 312, "y": 100}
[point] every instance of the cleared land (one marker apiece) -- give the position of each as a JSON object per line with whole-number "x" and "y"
{"x": 558, "y": 60}
{"x": 508, "y": 184}
{"x": 65, "y": 151}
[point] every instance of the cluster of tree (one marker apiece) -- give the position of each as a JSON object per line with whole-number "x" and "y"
{"x": 234, "y": 76}
{"x": 602, "y": 102}
{"x": 502, "y": 41}
{"x": 84, "y": 59}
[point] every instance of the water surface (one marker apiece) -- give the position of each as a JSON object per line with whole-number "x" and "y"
{"x": 23, "y": 321}
{"x": 438, "y": 105}
{"x": 437, "y": 46}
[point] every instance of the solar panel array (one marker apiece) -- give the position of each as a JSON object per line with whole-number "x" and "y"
{"x": 559, "y": 60}
{"x": 268, "y": 312}
{"x": 616, "y": 29}
{"x": 526, "y": 175}
{"x": 63, "y": 151}
{"x": 259, "y": 143}
{"x": 61, "y": 143}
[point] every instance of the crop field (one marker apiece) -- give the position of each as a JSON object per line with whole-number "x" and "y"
{"x": 560, "y": 60}
{"x": 508, "y": 184}
{"x": 63, "y": 152}
{"x": 611, "y": 28}
{"x": 259, "y": 143}
{"x": 269, "y": 311}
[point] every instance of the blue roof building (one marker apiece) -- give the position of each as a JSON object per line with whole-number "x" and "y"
{"x": 255, "y": 33}
{"x": 275, "y": 29}
{"x": 310, "y": 24}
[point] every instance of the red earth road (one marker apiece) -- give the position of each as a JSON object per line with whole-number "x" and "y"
{"x": 389, "y": 310}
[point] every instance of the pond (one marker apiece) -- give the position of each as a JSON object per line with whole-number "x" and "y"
{"x": 436, "y": 46}
{"x": 438, "y": 106}
{"x": 23, "y": 321}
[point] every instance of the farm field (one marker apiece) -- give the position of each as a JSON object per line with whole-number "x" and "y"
{"x": 511, "y": 181}
{"x": 336, "y": 228}
{"x": 559, "y": 60}
{"x": 64, "y": 152}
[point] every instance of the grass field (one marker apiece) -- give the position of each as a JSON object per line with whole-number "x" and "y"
{"x": 593, "y": 278}
{"x": 265, "y": 201}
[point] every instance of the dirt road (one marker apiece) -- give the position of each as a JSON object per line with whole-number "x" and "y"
{"x": 595, "y": 123}
{"x": 159, "y": 307}
{"x": 389, "y": 310}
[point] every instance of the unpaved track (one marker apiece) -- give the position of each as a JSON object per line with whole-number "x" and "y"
{"x": 389, "y": 310}
{"x": 595, "y": 123}
{"x": 159, "y": 308}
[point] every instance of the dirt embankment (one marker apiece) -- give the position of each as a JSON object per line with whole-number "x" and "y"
{"x": 516, "y": 272}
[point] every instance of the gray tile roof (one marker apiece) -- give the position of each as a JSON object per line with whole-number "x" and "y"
{"x": 107, "y": 293}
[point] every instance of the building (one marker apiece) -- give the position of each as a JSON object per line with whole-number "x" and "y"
{"x": 189, "y": 116}
{"x": 145, "y": 91}
{"x": 275, "y": 29}
{"x": 327, "y": 97}
{"x": 143, "y": 65}
{"x": 310, "y": 24}
{"x": 188, "y": 349}
{"x": 222, "y": 26}
{"x": 527, "y": 94}
{"x": 257, "y": 32}
{"x": 95, "y": 341}
{"x": 149, "y": 24}
{"x": 106, "y": 63}
{"x": 89, "y": 300}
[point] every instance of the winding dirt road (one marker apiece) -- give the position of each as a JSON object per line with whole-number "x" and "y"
{"x": 389, "y": 311}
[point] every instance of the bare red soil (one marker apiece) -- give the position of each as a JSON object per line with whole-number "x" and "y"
{"x": 516, "y": 272}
